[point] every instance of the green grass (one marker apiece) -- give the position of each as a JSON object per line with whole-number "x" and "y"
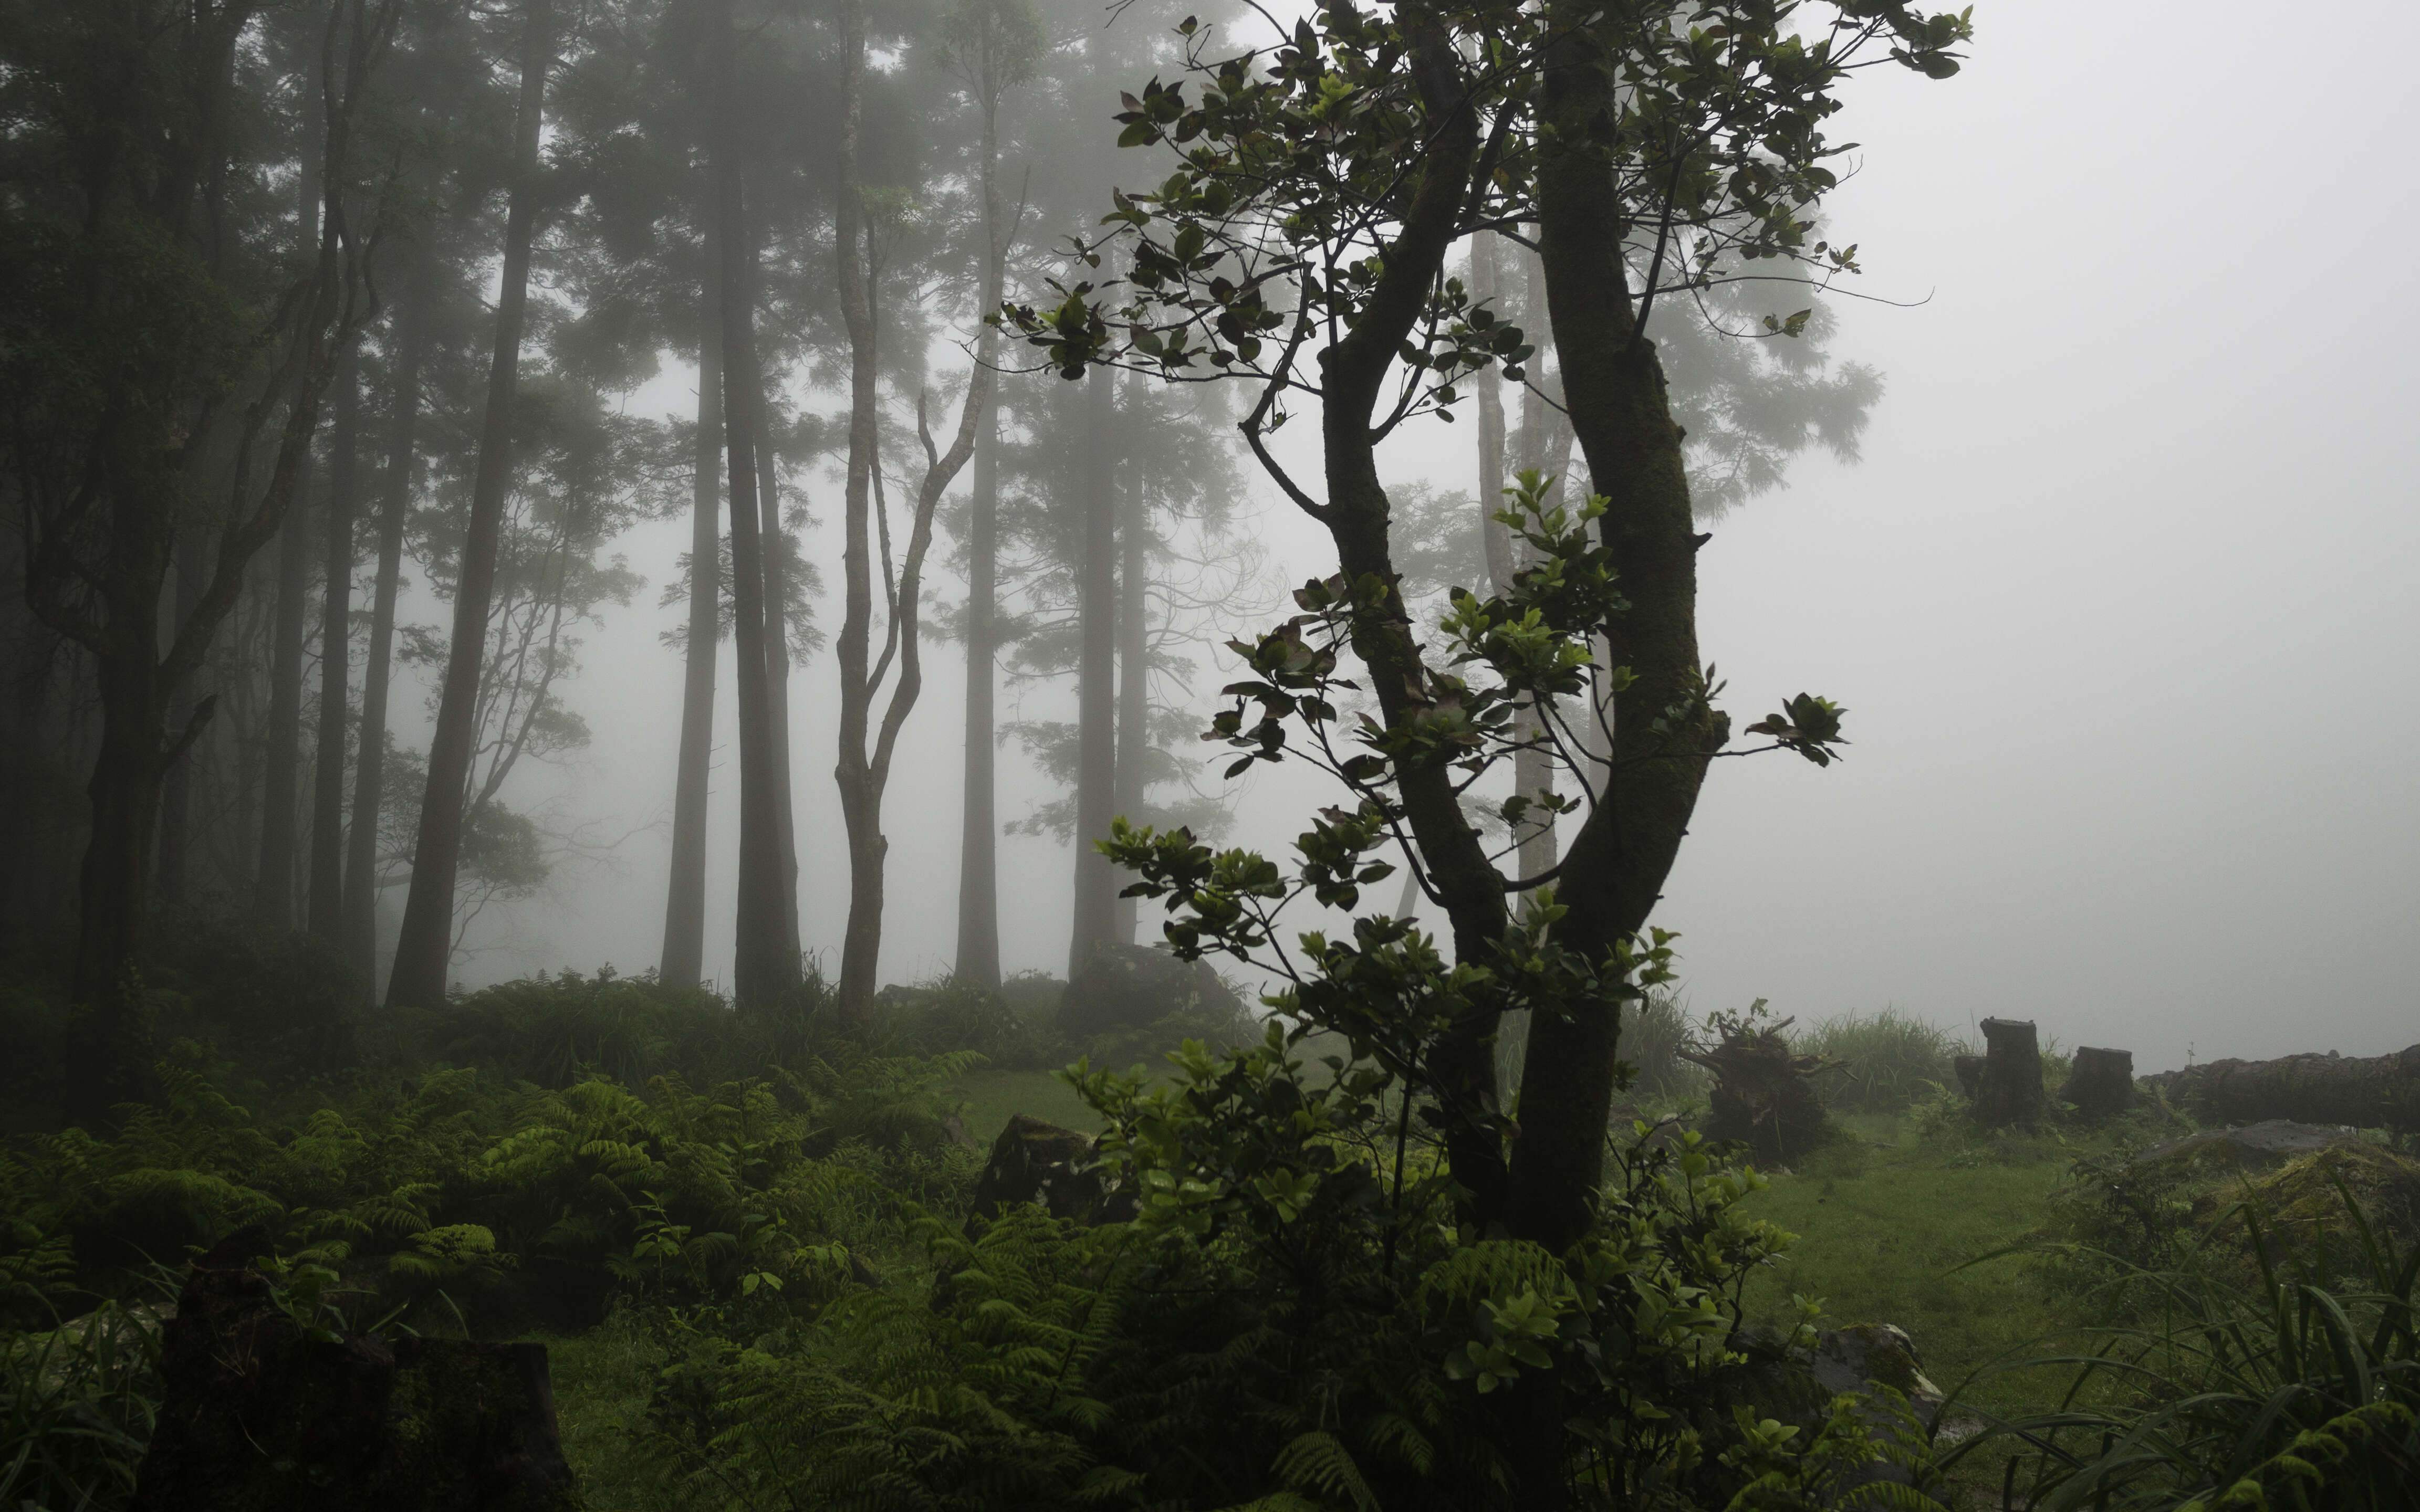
{"x": 992, "y": 1097}
{"x": 1885, "y": 1244}
{"x": 602, "y": 1379}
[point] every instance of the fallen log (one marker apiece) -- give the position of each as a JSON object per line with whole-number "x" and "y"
{"x": 2363, "y": 1091}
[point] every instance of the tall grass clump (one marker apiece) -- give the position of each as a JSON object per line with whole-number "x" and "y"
{"x": 2298, "y": 1388}
{"x": 1887, "y": 1059}
{"x": 76, "y": 1405}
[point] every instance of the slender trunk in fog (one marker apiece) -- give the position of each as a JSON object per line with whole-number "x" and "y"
{"x": 684, "y": 958}
{"x": 777, "y": 654}
{"x": 369, "y": 758}
{"x": 174, "y": 870}
{"x": 978, "y": 954}
{"x": 866, "y": 747}
{"x": 273, "y": 889}
{"x": 1134, "y": 672}
{"x": 425, "y": 948}
{"x": 1486, "y": 286}
{"x": 325, "y": 915}
{"x": 1544, "y": 445}
{"x": 765, "y": 962}
{"x": 1096, "y": 732}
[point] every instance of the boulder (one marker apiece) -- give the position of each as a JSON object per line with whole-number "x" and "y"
{"x": 2254, "y": 1147}
{"x": 1032, "y": 1161}
{"x": 257, "y": 1415}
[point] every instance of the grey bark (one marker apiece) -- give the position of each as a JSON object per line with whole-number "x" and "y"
{"x": 424, "y": 950}
{"x": 1096, "y": 884}
{"x": 325, "y": 914}
{"x": 684, "y": 958}
{"x": 1134, "y": 664}
{"x": 369, "y": 755}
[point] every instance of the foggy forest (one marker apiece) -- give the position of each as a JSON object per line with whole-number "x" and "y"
{"x": 1205, "y": 755}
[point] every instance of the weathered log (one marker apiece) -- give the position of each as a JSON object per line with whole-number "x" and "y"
{"x": 2100, "y": 1083}
{"x": 2010, "y": 1090}
{"x": 2366, "y": 1092}
{"x": 258, "y": 1415}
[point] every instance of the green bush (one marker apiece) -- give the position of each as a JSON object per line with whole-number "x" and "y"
{"x": 1888, "y": 1060}
{"x": 2295, "y": 1389}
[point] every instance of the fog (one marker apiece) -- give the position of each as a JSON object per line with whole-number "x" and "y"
{"x": 2119, "y": 598}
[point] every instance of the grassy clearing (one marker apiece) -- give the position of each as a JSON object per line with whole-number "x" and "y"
{"x": 602, "y": 1380}
{"x": 1882, "y": 1233}
{"x": 991, "y": 1098}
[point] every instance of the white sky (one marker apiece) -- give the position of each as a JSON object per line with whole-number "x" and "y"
{"x": 2119, "y": 601}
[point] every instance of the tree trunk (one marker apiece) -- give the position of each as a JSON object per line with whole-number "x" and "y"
{"x": 369, "y": 759}
{"x": 327, "y": 891}
{"x": 273, "y": 889}
{"x": 859, "y": 806}
{"x": 1486, "y": 285}
{"x": 1096, "y": 881}
{"x": 777, "y": 655}
{"x": 2368, "y": 1092}
{"x": 425, "y": 949}
{"x": 1544, "y": 446}
{"x": 173, "y": 872}
{"x": 1134, "y": 663}
{"x": 1617, "y": 863}
{"x": 977, "y": 960}
{"x": 684, "y": 958}
{"x": 108, "y": 1049}
{"x": 765, "y": 962}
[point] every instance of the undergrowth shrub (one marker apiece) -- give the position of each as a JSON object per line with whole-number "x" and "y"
{"x": 1888, "y": 1060}
{"x": 2298, "y": 1385}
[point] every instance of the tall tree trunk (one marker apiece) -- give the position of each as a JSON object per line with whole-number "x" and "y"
{"x": 327, "y": 892}
{"x": 765, "y": 960}
{"x": 369, "y": 759}
{"x": 777, "y": 655}
{"x": 425, "y": 948}
{"x": 1617, "y": 864}
{"x": 977, "y": 960}
{"x": 1543, "y": 425}
{"x": 863, "y": 773}
{"x": 1487, "y": 287}
{"x": 1134, "y": 663}
{"x": 273, "y": 889}
{"x": 272, "y": 885}
{"x": 684, "y": 960}
{"x": 173, "y": 868}
{"x": 1096, "y": 730}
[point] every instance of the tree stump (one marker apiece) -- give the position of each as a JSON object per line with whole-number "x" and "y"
{"x": 1764, "y": 1094}
{"x": 255, "y": 1415}
{"x": 1970, "y": 1076}
{"x": 2009, "y": 1092}
{"x": 2101, "y": 1082}
{"x": 1034, "y": 1161}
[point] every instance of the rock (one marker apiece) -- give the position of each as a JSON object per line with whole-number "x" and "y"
{"x": 258, "y": 1417}
{"x": 1858, "y": 1358}
{"x": 2100, "y": 1083}
{"x": 954, "y": 1129}
{"x": 2009, "y": 1092}
{"x": 2256, "y": 1147}
{"x": 1032, "y": 1161}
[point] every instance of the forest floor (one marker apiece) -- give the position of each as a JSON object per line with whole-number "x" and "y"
{"x": 1891, "y": 1228}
